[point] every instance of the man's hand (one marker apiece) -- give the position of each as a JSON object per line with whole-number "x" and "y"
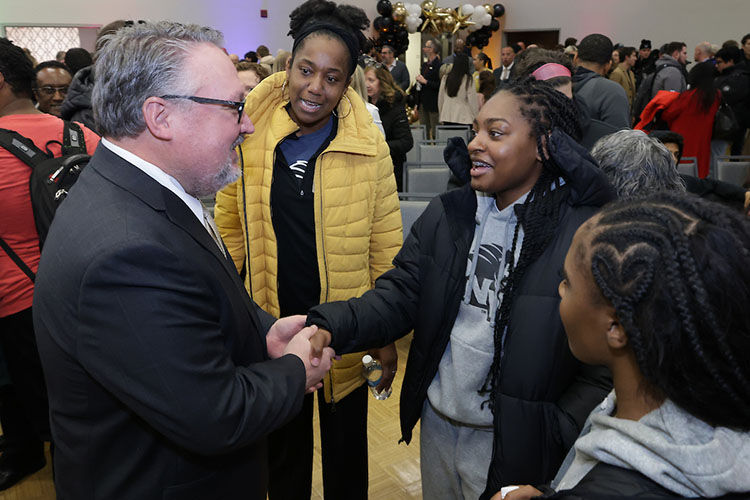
{"x": 301, "y": 347}
{"x": 388, "y": 357}
{"x": 318, "y": 342}
{"x": 281, "y": 332}
{"x": 421, "y": 79}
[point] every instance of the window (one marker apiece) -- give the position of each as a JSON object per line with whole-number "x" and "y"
{"x": 44, "y": 42}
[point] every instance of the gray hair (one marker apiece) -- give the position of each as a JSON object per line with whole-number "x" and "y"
{"x": 706, "y": 48}
{"x": 636, "y": 164}
{"x": 138, "y": 62}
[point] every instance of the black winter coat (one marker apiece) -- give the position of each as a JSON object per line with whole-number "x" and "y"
{"x": 608, "y": 482}
{"x": 734, "y": 83}
{"x": 428, "y": 94}
{"x": 77, "y": 104}
{"x": 397, "y": 134}
{"x": 545, "y": 394}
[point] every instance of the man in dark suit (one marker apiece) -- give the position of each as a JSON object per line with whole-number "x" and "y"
{"x": 507, "y": 70}
{"x": 164, "y": 377}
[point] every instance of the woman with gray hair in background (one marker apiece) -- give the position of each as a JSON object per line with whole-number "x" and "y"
{"x": 636, "y": 164}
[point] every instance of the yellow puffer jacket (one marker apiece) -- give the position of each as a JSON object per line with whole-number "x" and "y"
{"x": 357, "y": 216}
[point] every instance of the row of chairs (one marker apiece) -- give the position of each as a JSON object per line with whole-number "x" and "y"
{"x": 426, "y": 179}
{"x": 731, "y": 169}
{"x": 442, "y": 132}
{"x": 431, "y": 151}
{"x": 412, "y": 206}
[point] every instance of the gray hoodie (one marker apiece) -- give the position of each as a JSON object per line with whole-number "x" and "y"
{"x": 671, "y": 78}
{"x": 454, "y": 392}
{"x": 668, "y": 445}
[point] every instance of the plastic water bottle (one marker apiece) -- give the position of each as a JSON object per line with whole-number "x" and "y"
{"x": 373, "y": 373}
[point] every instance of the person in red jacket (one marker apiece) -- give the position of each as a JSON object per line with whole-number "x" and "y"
{"x": 690, "y": 114}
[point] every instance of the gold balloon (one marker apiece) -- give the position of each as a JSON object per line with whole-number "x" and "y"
{"x": 431, "y": 23}
{"x": 462, "y": 21}
{"x": 399, "y": 13}
{"x": 412, "y": 115}
{"x": 450, "y": 25}
{"x": 399, "y": 4}
{"x": 490, "y": 10}
{"x": 447, "y": 23}
{"x": 431, "y": 17}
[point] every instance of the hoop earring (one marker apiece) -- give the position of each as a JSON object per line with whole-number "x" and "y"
{"x": 350, "y": 108}
{"x": 283, "y": 87}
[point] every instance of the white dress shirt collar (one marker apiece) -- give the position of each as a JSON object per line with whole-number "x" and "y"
{"x": 159, "y": 176}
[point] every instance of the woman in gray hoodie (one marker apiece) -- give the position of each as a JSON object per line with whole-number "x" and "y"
{"x": 657, "y": 290}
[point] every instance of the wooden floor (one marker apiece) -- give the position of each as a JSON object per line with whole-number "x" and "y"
{"x": 394, "y": 468}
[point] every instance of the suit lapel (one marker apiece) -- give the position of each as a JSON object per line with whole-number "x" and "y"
{"x": 161, "y": 199}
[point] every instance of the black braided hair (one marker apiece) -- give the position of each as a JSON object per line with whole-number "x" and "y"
{"x": 348, "y": 17}
{"x": 17, "y": 68}
{"x": 545, "y": 109}
{"x": 676, "y": 268}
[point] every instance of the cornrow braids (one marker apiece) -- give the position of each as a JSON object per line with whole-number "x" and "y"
{"x": 676, "y": 268}
{"x": 545, "y": 109}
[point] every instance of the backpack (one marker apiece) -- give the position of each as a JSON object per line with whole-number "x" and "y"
{"x": 645, "y": 92}
{"x": 726, "y": 126}
{"x": 51, "y": 177}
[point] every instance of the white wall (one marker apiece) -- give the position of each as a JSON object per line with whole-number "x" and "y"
{"x": 625, "y": 21}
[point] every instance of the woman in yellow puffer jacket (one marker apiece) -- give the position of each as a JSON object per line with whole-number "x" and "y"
{"x": 315, "y": 218}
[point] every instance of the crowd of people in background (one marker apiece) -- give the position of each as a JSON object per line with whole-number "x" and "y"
{"x": 587, "y": 382}
{"x": 435, "y": 97}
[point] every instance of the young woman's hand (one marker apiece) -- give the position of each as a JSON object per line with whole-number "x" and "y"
{"x": 524, "y": 492}
{"x": 388, "y": 357}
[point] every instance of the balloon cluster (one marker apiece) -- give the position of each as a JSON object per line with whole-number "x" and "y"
{"x": 479, "y": 21}
{"x": 391, "y": 26}
{"x": 485, "y": 22}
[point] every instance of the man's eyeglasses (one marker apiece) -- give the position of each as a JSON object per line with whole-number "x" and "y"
{"x": 48, "y": 90}
{"x": 238, "y": 105}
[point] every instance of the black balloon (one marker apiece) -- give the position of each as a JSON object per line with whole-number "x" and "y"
{"x": 498, "y": 10}
{"x": 385, "y": 8}
{"x": 377, "y": 23}
{"x": 494, "y": 25}
{"x": 387, "y": 23}
{"x": 402, "y": 36}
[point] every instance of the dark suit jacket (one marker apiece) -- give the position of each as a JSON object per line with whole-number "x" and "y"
{"x": 401, "y": 75}
{"x": 498, "y": 72}
{"x": 159, "y": 381}
{"x": 428, "y": 95}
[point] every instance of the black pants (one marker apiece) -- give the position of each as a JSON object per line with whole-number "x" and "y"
{"x": 343, "y": 434}
{"x": 738, "y": 141}
{"x": 25, "y": 410}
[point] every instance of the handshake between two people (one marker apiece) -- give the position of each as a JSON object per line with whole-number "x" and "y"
{"x": 310, "y": 344}
{"x": 290, "y": 336}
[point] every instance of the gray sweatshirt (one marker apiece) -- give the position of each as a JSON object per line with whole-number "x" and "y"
{"x": 454, "y": 392}
{"x": 668, "y": 445}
